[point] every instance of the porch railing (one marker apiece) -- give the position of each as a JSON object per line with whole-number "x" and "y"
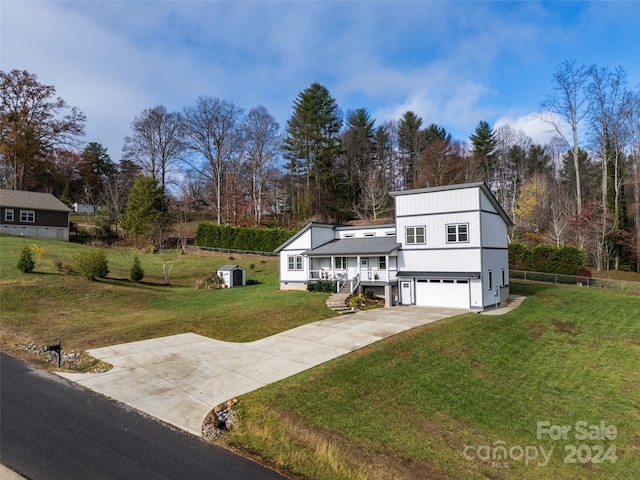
{"x": 341, "y": 281}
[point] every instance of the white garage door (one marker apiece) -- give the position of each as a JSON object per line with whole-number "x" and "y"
{"x": 442, "y": 293}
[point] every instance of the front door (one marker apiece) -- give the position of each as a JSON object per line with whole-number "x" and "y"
{"x": 405, "y": 293}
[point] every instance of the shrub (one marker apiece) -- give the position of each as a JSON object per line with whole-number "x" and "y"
{"x": 566, "y": 260}
{"x": 519, "y": 256}
{"x": 58, "y": 264}
{"x": 25, "y": 262}
{"x": 136, "y": 273}
{"x": 91, "y": 264}
{"x": 241, "y": 238}
{"x": 368, "y": 293}
{"x": 324, "y": 286}
{"x": 357, "y": 301}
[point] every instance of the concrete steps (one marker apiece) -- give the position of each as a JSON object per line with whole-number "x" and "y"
{"x": 336, "y": 302}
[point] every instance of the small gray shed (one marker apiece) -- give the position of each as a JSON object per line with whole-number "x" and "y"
{"x": 233, "y": 275}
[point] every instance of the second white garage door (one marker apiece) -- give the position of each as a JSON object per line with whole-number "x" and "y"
{"x": 442, "y": 293}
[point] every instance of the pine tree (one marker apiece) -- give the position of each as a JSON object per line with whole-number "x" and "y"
{"x": 25, "y": 262}
{"x": 484, "y": 149}
{"x": 136, "y": 273}
{"x": 311, "y": 146}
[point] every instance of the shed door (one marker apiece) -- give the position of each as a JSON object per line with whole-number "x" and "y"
{"x": 237, "y": 277}
{"x": 442, "y": 293}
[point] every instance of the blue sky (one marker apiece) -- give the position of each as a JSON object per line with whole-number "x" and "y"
{"x": 453, "y": 63}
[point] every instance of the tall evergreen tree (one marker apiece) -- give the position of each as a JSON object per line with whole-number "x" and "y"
{"x": 311, "y": 146}
{"x": 359, "y": 152}
{"x": 411, "y": 142}
{"x": 484, "y": 149}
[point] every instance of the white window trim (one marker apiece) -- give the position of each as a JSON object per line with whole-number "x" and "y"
{"x": 294, "y": 261}
{"x": 343, "y": 263}
{"x": 27, "y": 216}
{"x": 415, "y": 235}
{"x": 9, "y": 215}
{"x": 457, "y": 232}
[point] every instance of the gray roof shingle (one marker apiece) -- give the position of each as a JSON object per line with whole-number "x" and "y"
{"x": 32, "y": 200}
{"x": 356, "y": 246}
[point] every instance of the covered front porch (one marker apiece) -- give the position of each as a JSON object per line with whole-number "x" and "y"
{"x": 356, "y": 263}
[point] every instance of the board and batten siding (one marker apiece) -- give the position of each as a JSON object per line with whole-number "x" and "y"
{"x": 436, "y": 260}
{"x": 438, "y": 202}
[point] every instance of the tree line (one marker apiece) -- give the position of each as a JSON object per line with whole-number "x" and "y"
{"x": 243, "y": 168}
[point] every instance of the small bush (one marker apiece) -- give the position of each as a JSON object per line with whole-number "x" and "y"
{"x": 136, "y": 273}
{"x": 357, "y": 301}
{"x": 324, "y": 286}
{"x": 91, "y": 264}
{"x": 58, "y": 265}
{"x": 368, "y": 293}
{"x": 251, "y": 281}
{"x": 25, "y": 262}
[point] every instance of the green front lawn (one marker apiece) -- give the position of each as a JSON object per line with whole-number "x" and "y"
{"x": 47, "y": 305}
{"x": 408, "y": 406}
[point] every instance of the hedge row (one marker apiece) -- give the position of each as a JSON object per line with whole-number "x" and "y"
{"x": 565, "y": 260}
{"x": 241, "y": 238}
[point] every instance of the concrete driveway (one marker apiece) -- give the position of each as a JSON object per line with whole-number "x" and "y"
{"x": 180, "y": 378}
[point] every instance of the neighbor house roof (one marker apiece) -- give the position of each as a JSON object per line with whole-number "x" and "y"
{"x": 356, "y": 246}
{"x": 481, "y": 185}
{"x": 31, "y": 200}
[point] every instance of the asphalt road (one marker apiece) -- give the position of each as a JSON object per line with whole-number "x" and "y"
{"x": 51, "y": 428}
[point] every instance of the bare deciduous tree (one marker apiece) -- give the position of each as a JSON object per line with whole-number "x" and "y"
{"x": 156, "y": 143}
{"x": 569, "y": 105}
{"x": 213, "y": 131}
{"x": 263, "y": 143}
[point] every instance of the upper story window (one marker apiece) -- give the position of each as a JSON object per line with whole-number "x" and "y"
{"x": 390, "y": 234}
{"x": 295, "y": 262}
{"x": 369, "y": 234}
{"x": 458, "y": 233}
{"x": 340, "y": 263}
{"x": 382, "y": 263}
{"x": 415, "y": 235}
{"x": 27, "y": 216}
{"x": 349, "y": 235}
{"x": 8, "y": 215}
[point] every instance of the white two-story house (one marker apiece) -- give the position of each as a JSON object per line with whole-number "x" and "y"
{"x": 447, "y": 248}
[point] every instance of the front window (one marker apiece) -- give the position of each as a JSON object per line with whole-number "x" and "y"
{"x": 382, "y": 263}
{"x": 27, "y": 216}
{"x": 415, "y": 235}
{"x": 8, "y": 215}
{"x": 340, "y": 263}
{"x": 458, "y": 233}
{"x": 295, "y": 262}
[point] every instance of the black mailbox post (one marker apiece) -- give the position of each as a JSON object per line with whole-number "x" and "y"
{"x": 55, "y": 348}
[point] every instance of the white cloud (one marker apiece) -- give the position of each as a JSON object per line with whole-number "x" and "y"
{"x": 540, "y": 131}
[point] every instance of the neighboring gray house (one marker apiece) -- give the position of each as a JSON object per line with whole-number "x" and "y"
{"x": 233, "y": 275}
{"x": 448, "y": 248}
{"x": 33, "y": 214}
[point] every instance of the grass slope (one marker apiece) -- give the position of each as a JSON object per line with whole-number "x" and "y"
{"x": 47, "y": 305}
{"x": 407, "y": 406}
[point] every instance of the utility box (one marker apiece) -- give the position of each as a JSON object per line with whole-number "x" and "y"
{"x": 233, "y": 275}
